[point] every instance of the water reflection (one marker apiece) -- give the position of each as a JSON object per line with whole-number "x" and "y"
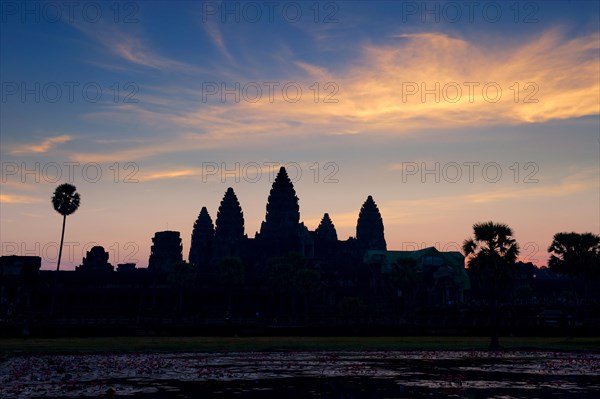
{"x": 418, "y": 374}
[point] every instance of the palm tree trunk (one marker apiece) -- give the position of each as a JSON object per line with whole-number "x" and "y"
{"x": 180, "y": 302}
{"x": 55, "y": 286}
{"x": 62, "y": 238}
{"x": 294, "y": 306}
{"x": 229, "y": 295}
{"x": 494, "y": 336}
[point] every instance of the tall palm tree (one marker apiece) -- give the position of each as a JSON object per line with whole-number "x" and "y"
{"x": 492, "y": 252}
{"x": 578, "y": 256}
{"x": 65, "y": 201}
{"x": 575, "y": 254}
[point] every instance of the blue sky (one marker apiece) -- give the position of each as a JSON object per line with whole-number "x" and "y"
{"x": 365, "y": 131}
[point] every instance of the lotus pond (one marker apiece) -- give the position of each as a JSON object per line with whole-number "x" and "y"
{"x": 322, "y": 374}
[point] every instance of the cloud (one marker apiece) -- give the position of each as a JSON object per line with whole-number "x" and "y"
{"x": 431, "y": 79}
{"x": 152, "y": 147}
{"x": 372, "y": 96}
{"x": 170, "y": 174}
{"x": 132, "y": 48}
{"x": 573, "y": 184}
{"x": 212, "y": 29}
{"x": 456, "y": 83}
{"x": 18, "y": 199}
{"x": 42, "y": 147}
{"x": 431, "y": 210}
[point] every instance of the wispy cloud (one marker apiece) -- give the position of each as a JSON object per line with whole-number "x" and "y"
{"x": 426, "y": 210}
{"x": 131, "y": 47}
{"x": 375, "y": 94}
{"x": 170, "y": 174}
{"x": 573, "y": 184}
{"x": 134, "y": 50}
{"x": 152, "y": 147}
{"x": 370, "y": 95}
{"x": 214, "y": 33}
{"x": 18, "y": 199}
{"x": 42, "y": 147}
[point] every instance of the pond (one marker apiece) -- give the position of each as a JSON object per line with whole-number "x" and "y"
{"x": 345, "y": 374}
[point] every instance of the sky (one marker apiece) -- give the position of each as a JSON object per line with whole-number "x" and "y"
{"x": 447, "y": 113}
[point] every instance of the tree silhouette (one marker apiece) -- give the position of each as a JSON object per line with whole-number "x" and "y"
{"x": 231, "y": 274}
{"x": 352, "y": 309}
{"x": 307, "y": 282}
{"x": 280, "y": 275}
{"x": 65, "y": 200}
{"x": 406, "y": 275}
{"x": 492, "y": 253}
{"x": 575, "y": 254}
{"x": 182, "y": 278}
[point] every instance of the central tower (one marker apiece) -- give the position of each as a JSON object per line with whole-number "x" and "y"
{"x": 281, "y": 228}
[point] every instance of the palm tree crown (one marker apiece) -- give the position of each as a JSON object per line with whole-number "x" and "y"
{"x": 65, "y": 199}
{"x": 575, "y": 253}
{"x": 492, "y": 245}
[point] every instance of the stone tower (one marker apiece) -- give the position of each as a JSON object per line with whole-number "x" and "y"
{"x": 166, "y": 250}
{"x": 369, "y": 228}
{"x": 95, "y": 260}
{"x": 326, "y": 230}
{"x": 280, "y": 232}
{"x": 203, "y": 235}
{"x": 229, "y": 232}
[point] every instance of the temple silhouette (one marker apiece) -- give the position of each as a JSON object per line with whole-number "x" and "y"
{"x": 280, "y": 233}
{"x": 286, "y": 275}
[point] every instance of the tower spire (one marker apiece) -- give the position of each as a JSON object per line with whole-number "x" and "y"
{"x": 283, "y": 211}
{"x": 369, "y": 228}
{"x": 326, "y": 230}
{"x": 281, "y": 228}
{"x": 202, "y": 239}
{"x": 229, "y": 231}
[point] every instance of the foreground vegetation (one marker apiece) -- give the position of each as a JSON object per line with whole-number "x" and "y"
{"x": 10, "y": 347}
